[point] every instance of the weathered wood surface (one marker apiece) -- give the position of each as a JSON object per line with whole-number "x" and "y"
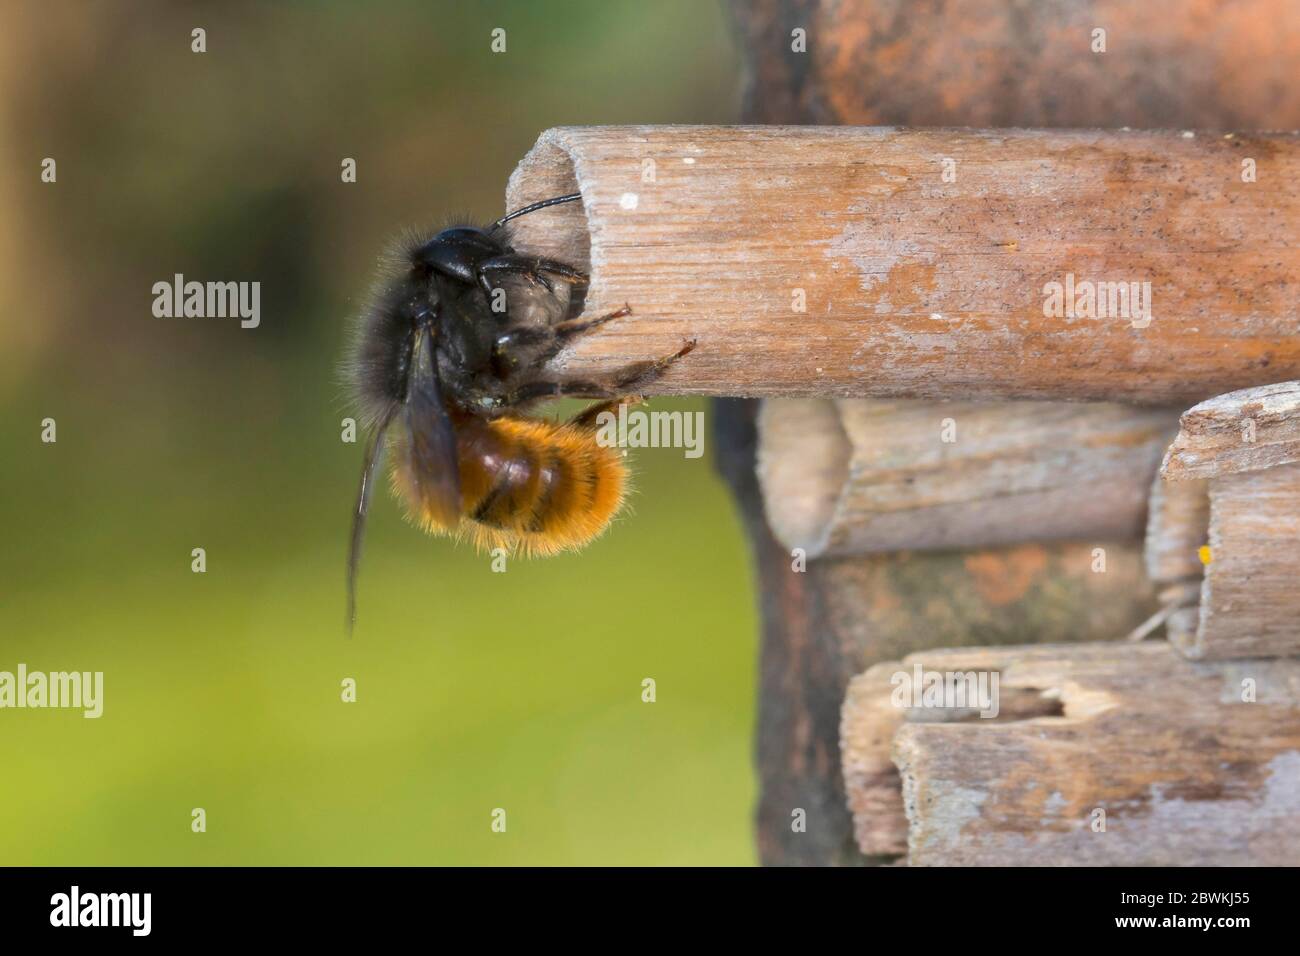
{"x": 1016, "y": 69}
{"x": 816, "y": 261}
{"x": 844, "y": 614}
{"x": 1232, "y": 482}
{"x": 874, "y": 789}
{"x": 1246, "y": 430}
{"x": 861, "y": 476}
{"x": 1185, "y": 769}
{"x": 869, "y": 720}
{"x": 1250, "y": 596}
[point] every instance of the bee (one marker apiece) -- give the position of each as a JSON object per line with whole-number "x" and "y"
{"x": 446, "y": 363}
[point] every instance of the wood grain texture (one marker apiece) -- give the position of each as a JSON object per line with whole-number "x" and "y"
{"x": 1245, "y": 430}
{"x": 1232, "y": 479}
{"x": 862, "y": 476}
{"x": 1250, "y": 602}
{"x": 869, "y": 720}
{"x": 1185, "y": 770}
{"x": 916, "y": 287}
{"x": 874, "y": 789}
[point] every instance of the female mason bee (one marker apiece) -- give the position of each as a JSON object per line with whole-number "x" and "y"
{"x": 447, "y": 360}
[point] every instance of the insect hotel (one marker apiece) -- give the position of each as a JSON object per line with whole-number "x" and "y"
{"x": 1023, "y": 474}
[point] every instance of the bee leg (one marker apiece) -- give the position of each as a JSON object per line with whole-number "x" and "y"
{"x": 536, "y": 264}
{"x": 567, "y": 330}
{"x": 522, "y": 336}
{"x": 533, "y": 268}
{"x": 587, "y": 418}
{"x": 627, "y": 380}
{"x": 554, "y": 337}
{"x": 534, "y": 391}
{"x": 630, "y": 378}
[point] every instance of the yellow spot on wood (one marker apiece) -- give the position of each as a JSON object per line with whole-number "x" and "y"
{"x": 1204, "y": 552}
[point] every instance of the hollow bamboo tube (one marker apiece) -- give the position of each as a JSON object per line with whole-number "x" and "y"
{"x": 947, "y": 264}
{"x": 1244, "y": 449}
{"x": 862, "y": 476}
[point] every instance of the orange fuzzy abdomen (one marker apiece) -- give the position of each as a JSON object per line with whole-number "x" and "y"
{"x": 532, "y": 485}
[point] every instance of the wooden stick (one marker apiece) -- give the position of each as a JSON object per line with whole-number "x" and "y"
{"x": 874, "y": 790}
{"x": 842, "y": 262}
{"x": 868, "y": 723}
{"x": 1242, "y": 431}
{"x": 1250, "y": 602}
{"x": 862, "y": 476}
{"x": 870, "y": 719}
{"x": 1132, "y": 731}
{"x": 1244, "y": 448}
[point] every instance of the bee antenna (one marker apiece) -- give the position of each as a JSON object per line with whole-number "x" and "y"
{"x": 533, "y": 207}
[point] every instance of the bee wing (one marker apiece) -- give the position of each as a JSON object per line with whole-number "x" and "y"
{"x": 432, "y": 447}
{"x": 434, "y": 462}
{"x": 369, "y": 468}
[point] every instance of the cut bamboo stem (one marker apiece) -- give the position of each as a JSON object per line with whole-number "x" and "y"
{"x": 1248, "y": 430}
{"x": 861, "y": 476}
{"x": 1242, "y": 448}
{"x": 1099, "y": 754}
{"x": 1250, "y": 602}
{"x": 1148, "y": 267}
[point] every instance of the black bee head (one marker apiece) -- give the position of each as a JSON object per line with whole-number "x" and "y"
{"x": 455, "y": 253}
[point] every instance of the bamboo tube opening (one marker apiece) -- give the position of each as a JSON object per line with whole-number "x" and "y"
{"x": 803, "y": 462}
{"x": 848, "y": 476}
{"x": 559, "y": 232}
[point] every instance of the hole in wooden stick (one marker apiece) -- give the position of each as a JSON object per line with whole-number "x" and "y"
{"x": 560, "y": 232}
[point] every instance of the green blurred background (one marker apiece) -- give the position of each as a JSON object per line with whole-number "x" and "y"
{"x": 222, "y": 690}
